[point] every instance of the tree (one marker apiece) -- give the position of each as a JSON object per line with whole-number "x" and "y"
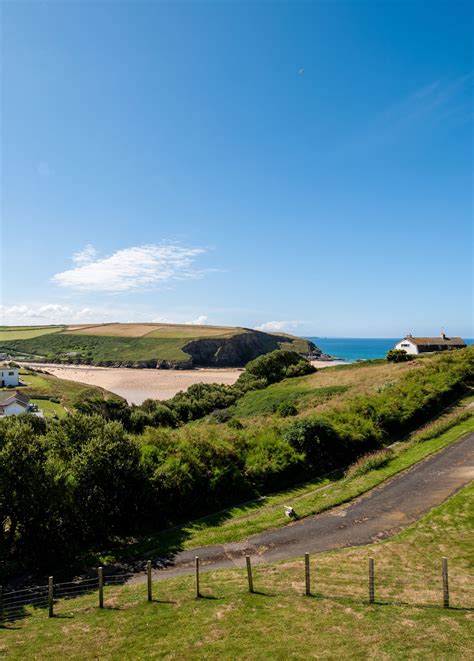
{"x": 398, "y": 356}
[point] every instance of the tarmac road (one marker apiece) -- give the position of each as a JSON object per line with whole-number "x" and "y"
{"x": 378, "y": 514}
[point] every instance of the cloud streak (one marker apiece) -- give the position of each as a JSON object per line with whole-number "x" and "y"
{"x": 279, "y": 326}
{"x": 130, "y": 269}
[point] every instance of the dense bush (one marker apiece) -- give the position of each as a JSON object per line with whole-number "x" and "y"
{"x": 398, "y": 356}
{"x": 277, "y": 365}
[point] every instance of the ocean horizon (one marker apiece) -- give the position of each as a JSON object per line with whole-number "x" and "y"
{"x": 359, "y": 348}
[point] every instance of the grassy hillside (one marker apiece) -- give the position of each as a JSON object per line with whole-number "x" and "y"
{"x": 144, "y": 345}
{"x": 323, "y": 390}
{"x": 406, "y": 620}
{"x": 56, "y": 396}
{"x": 238, "y": 523}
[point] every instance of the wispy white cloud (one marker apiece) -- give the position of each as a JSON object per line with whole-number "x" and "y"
{"x": 130, "y": 268}
{"x": 279, "y": 326}
{"x": 199, "y": 321}
{"x": 85, "y": 256}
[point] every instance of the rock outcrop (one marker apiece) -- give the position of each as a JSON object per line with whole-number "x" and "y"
{"x": 237, "y": 350}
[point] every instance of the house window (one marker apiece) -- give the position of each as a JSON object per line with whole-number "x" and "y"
{"x": 11, "y": 373}
{"x": 405, "y": 344}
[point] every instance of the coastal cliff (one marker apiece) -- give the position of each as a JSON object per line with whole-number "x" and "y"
{"x": 237, "y": 350}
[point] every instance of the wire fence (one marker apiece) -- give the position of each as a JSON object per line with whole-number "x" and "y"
{"x": 372, "y": 582}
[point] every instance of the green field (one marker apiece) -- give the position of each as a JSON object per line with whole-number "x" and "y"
{"x": 141, "y": 345}
{"x": 278, "y": 622}
{"x": 27, "y": 333}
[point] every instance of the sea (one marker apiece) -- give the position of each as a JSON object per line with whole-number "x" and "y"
{"x": 350, "y": 349}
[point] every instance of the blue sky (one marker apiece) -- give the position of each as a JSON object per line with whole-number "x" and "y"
{"x": 303, "y": 166}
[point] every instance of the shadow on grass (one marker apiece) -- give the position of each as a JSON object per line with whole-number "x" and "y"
{"x": 263, "y": 594}
{"x": 317, "y": 596}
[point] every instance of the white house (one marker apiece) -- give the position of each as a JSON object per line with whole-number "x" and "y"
{"x": 13, "y": 403}
{"x": 9, "y": 376}
{"x": 416, "y": 345}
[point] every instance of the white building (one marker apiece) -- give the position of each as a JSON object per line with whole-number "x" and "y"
{"x": 9, "y": 376}
{"x": 416, "y": 345}
{"x": 13, "y": 403}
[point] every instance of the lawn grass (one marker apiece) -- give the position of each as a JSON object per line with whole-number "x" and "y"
{"x": 238, "y": 523}
{"x": 278, "y": 622}
{"x": 50, "y": 409}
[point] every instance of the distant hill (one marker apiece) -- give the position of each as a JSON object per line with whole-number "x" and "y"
{"x": 146, "y": 345}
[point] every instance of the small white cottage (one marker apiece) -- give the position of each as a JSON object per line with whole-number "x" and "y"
{"x": 9, "y": 376}
{"x": 13, "y": 403}
{"x": 415, "y": 345}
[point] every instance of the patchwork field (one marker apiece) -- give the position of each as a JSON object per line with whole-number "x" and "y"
{"x": 21, "y": 333}
{"x": 154, "y": 330}
{"x": 144, "y": 345}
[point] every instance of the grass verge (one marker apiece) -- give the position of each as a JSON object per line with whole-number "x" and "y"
{"x": 406, "y": 621}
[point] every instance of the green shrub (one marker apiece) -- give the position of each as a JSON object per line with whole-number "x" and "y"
{"x": 286, "y": 409}
{"x": 276, "y": 365}
{"x": 398, "y": 356}
{"x": 234, "y": 423}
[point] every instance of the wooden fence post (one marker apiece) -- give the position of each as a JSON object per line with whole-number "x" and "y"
{"x": 148, "y": 571}
{"x": 307, "y": 577}
{"x": 50, "y": 597}
{"x": 1, "y": 602}
{"x": 198, "y": 593}
{"x": 445, "y": 583}
{"x": 249, "y": 573}
{"x": 100, "y": 573}
{"x": 371, "y": 581}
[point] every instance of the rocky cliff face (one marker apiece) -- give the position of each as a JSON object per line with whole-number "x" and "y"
{"x": 237, "y": 350}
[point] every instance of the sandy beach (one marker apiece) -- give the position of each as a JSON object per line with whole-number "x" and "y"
{"x": 136, "y": 385}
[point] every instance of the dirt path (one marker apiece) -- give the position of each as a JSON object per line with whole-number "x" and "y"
{"x": 382, "y": 512}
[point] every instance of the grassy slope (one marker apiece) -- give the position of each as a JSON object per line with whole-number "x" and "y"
{"x": 278, "y": 622}
{"x": 119, "y": 343}
{"x": 238, "y": 523}
{"x": 326, "y": 388}
{"x": 67, "y": 391}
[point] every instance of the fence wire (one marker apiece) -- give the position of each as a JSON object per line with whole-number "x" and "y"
{"x": 396, "y": 585}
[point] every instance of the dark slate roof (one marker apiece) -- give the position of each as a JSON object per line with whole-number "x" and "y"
{"x": 437, "y": 341}
{"x": 7, "y": 397}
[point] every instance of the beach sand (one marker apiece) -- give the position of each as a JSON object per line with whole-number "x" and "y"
{"x": 136, "y": 385}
